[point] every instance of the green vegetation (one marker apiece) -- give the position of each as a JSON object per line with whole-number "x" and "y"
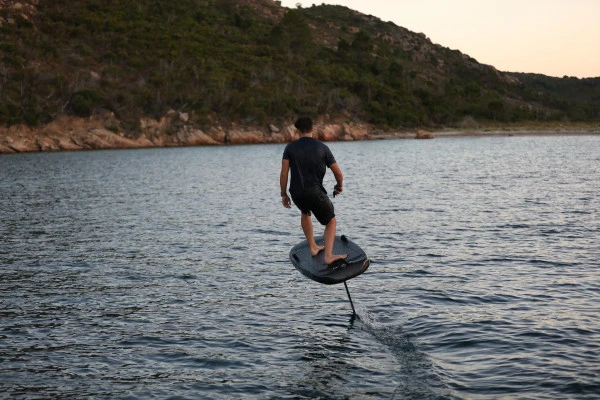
{"x": 223, "y": 62}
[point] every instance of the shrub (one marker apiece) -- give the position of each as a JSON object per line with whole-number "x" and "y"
{"x": 83, "y": 102}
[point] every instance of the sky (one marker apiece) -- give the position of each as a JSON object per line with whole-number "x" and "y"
{"x": 551, "y": 37}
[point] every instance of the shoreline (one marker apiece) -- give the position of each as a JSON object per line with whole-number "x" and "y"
{"x": 492, "y": 133}
{"x": 173, "y": 130}
{"x": 536, "y": 132}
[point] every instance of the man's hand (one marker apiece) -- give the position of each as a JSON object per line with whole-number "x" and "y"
{"x": 339, "y": 178}
{"x": 337, "y": 189}
{"x": 285, "y": 200}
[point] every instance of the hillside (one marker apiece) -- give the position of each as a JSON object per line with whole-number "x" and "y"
{"x": 254, "y": 63}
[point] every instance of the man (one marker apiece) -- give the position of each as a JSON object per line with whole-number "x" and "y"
{"x": 308, "y": 159}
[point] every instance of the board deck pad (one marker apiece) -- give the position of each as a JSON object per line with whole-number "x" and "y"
{"x": 315, "y": 268}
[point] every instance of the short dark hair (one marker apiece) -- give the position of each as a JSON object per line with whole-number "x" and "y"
{"x": 304, "y": 124}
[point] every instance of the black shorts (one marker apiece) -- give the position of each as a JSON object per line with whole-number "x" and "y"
{"x": 315, "y": 200}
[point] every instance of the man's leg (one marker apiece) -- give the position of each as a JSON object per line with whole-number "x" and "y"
{"x": 330, "y": 229}
{"x": 307, "y": 228}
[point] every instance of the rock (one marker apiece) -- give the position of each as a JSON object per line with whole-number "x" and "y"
{"x": 238, "y": 136}
{"x": 276, "y": 138}
{"x": 424, "y": 135}
{"x": 104, "y": 139}
{"x": 48, "y": 144}
{"x": 143, "y": 142}
{"x": 109, "y": 121}
{"x": 273, "y": 129}
{"x": 290, "y": 133}
{"x": 330, "y": 133}
{"x": 157, "y": 129}
{"x": 150, "y": 127}
{"x": 95, "y": 76}
{"x": 95, "y": 140}
{"x": 5, "y": 149}
{"x": 19, "y": 139}
{"x": 194, "y": 137}
{"x": 356, "y": 132}
{"x": 67, "y": 144}
{"x": 217, "y": 134}
{"x": 199, "y": 138}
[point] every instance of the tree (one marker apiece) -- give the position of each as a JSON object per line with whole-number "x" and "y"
{"x": 295, "y": 32}
{"x": 495, "y": 107}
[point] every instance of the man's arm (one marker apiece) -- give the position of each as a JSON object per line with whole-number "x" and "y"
{"x": 339, "y": 178}
{"x": 283, "y": 181}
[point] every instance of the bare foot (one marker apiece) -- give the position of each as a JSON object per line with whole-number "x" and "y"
{"x": 334, "y": 258}
{"x": 316, "y": 250}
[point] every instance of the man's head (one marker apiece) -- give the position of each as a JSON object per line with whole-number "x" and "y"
{"x": 304, "y": 125}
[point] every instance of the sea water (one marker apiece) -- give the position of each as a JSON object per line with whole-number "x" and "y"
{"x": 164, "y": 273}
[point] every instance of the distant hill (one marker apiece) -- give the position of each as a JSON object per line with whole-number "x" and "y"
{"x": 253, "y": 62}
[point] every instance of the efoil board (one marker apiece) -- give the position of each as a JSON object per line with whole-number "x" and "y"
{"x": 315, "y": 268}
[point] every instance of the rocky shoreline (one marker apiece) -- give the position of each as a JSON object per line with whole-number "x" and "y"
{"x": 174, "y": 130}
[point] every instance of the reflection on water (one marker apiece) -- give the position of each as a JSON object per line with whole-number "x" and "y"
{"x": 164, "y": 273}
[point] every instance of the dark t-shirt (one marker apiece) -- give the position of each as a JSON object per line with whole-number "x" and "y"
{"x": 309, "y": 160}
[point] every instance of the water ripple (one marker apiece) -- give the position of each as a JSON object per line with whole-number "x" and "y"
{"x": 163, "y": 273}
